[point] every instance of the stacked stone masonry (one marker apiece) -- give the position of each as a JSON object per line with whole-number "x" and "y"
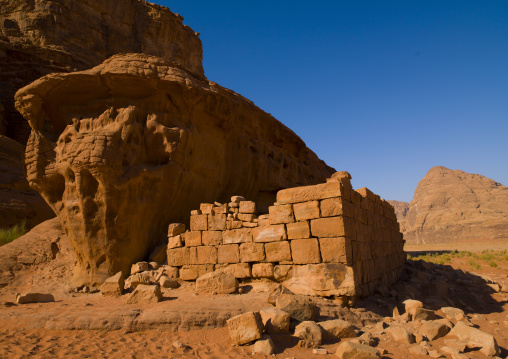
{"x": 326, "y": 239}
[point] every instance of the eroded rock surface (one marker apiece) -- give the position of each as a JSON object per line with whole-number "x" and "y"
{"x": 452, "y": 205}
{"x": 138, "y": 142}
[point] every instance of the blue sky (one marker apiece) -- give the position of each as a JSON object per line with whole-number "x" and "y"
{"x": 382, "y": 89}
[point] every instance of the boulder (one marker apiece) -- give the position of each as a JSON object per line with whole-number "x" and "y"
{"x": 411, "y": 305}
{"x": 401, "y": 335}
{"x": 139, "y": 267}
{"x": 245, "y": 328}
{"x": 310, "y": 333}
{"x": 139, "y": 122}
{"x": 166, "y": 282}
{"x": 351, "y": 350}
{"x": 297, "y": 306}
{"x": 113, "y": 286}
{"x": 264, "y": 346}
{"x": 274, "y": 294}
{"x": 140, "y": 278}
{"x": 453, "y": 313}
{"x": 274, "y": 320}
{"x": 434, "y": 329}
{"x": 423, "y": 314}
{"x": 476, "y": 339}
{"x": 34, "y": 298}
{"x": 337, "y": 329}
{"x": 145, "y": 294}
{"x": 217, "y": 282}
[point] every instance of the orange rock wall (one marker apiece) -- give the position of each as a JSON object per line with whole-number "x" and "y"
{"x": 326, "y": 231}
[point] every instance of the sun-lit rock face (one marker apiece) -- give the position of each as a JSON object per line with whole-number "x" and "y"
{"x": 124, "y": 149}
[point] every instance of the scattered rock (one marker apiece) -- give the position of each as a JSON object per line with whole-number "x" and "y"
{"x": 434, "y": 354}
{"x": 113, "y": 286}
{"x": 264, "y": 346}
{"x": 453, "y": 313}
{"x": 401, "y": 335}
{"x": 153, "y": 265}
{"x": 166, "y": 282}
{"x": 139, "y": 267}
{"x": 174, "y": 229}
{"x": 418, "y": 350}
{"x": 476, "y": 339}
{"x": 310, "y": 333}
{"x": 319, "y": 351}
{"x": 280, "y": 289}
{"x": 274, "y": 320}
{"x": 411, "y": 305}
{"x": 237, "y": 199}
{"x": 337, "y": 329}
{"x": 351, "y": 350}
{"x": 297, "y": 306}
{"x": 34, "y": 298}
{"x": 140, "y": 278}
{"x": 179, "y": 345}
{"x": 217, "y": 282}
{"x": 145, "y": 294}
{"x": 423, "y": 314}
{"x": 434, "y": 329}
{"x": 367, "y": 339}
{"x": 245, "y": 328}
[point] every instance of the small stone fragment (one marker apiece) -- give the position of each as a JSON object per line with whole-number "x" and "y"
{"x": 237, "y": 199}
{"x": 319, "y": 351}
{"x": 264, "y": 345}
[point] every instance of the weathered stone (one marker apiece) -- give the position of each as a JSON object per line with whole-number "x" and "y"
{"x": 247, "y": 207}
{"x": 145, "y": 294}
{"x": 252, "y": 252}
{"x": 153, "y": 265}
{"x": 335, "y": 250}
{"x": 434, "y": 330}
{"x": 274, "y": 294}
{"x": 264, "y": 346}
{"x": 282, "y": 272}
{"x": 233, "y": 224}
{"x": 189, "y": 272}
{"x": 228, "y": 254}
{"x": 278, "y": 251}
{"x": 281, "y": 214}
{"x": 306, "y": 210}
{"x": 206, "y": 208}
{"x": 139, "y": 278}
{"x": 34, "y": 298}
{"x": 337, "y": 329}
{"x": 418, "y": 350}
{"x": 245, "y": 328}
{"x": 274, "y": 320}
{"x": 309, "y": 193}
{"x": 335, "y": 207}
{"x": 242, "y": 235}
{"x": 246, "y": 217}
{"x": 299, "y": 307}
{"x": 139, "y": 267}
{"x": 423, "y": 314}
{"x": 476, "y": 339}
{"x": 262, "y": 270}
{"x": 192, "y": 238}
{"x": 298, "y": 230}
{"x": 174, "y": 229}
{"x": 178, "y": 257}
{"x": 175, "y": 242}
{"x": 207, "y": 255}
{"x": 216, "y": 222}
{"x": 305, "y": 251}
{"x": 453, "y": 313}
{"x": 271, "y": 233}
{"x": 310, "y": 333}
{"x": 166, "y": 282}
{"x": 237, "y": 199}
{"x": 411, "y": 305}
{"x": 113, "y": 286}
{"x": 199, "y": 222}
{"x": 351, "y": 350}
{"x": 327, "y": 227}
{"x": 238, "y": 270}
{"x": 113, "y": 136}
{"x": 401, "y": 335}
{"x": 218, "y": 282}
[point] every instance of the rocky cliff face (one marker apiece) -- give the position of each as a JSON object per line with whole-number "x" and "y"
{"x": 453, "y": 206}
{"x": 41, "y": 37}
{"x": 401, "y": 209}
{"x": 124, "y": 149}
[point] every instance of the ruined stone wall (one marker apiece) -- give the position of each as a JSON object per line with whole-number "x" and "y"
{"x": 325, "y": 239}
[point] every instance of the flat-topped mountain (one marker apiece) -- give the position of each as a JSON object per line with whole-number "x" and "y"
{"x": 453, "y": 206}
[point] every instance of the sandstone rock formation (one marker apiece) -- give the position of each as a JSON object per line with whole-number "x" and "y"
{"x": 124, "y": 149}
{"x": 18, "y": 202}
{"x": 453, "y": 206}
{"x": 41, "y": 37}
{"x": 401, "y": 209}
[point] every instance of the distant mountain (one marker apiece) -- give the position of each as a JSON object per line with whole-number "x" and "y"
{"x": 401, "y": 209}
{"x": 454, "y": 206}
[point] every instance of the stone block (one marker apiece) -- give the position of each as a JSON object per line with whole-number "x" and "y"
{"x": 171, "y": 272}
{"x": 281, "y": 214}
{"x": 199, "y": 222}
{"x": 352, "y": 349}
{"x": 237, "y": 199}
{"x": 139, "y": 267}
{"x": 242, "y": 235}
{"x": 263, "y": 220}
{"x": 216, "y": 222}
{"x": 264, "y": 346}
{"x": 327, "y": 227}
{"x": 206, "y": 208}
{"x": 228, "y": 254}
{"x": 174, "y": 229}
{"x": 233, "y": 224}
{"x": 262, "y": 270}
{"x": 192, "y": 238}
{"x": 272, "y": 233}
{"x": 337, "y": 329}
{"x": 113, "y": 286}
{"x": 336, "y": 207}
{"x": 246, "y": 217}
{"x": 309, "y": 193}
{"x": 239, "y": 270}
{"x": 252, "y": 252}
{"x": 211, "y": 238}
{"x": 247, "y": 207}
{"x": 298, "y": 230}
{"x": 145, "y": 294}
{"x": 278, "y": 251}
{"x": 205, "y": 268}
{"x": 222, "y": 209}
{"x": 245, "y": 328}
{"x": 175, "y": 242}
{"x": 189, "y": 272}
{"x": 336, "y": 249}
{"x": 275, "y": 321}
{"x": 178, "y": 257}
{"x": 216, "y": 283}
{"x": 283, "y": 272}
{"x": 298, "y": 307}
{"x": 249, "y": 224}
{"x": 306, "y": 210}
{"x": 207, "y": 255}
{"x": 310, "y": 333}
{"x": 195, "y": 212}
{"x": 305, "y": 251}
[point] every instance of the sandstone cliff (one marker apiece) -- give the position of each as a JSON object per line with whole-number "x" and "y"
{"x": 453, "y": 206}
{"x": 123, "y": 149}
{"x": 401, "y": 209}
